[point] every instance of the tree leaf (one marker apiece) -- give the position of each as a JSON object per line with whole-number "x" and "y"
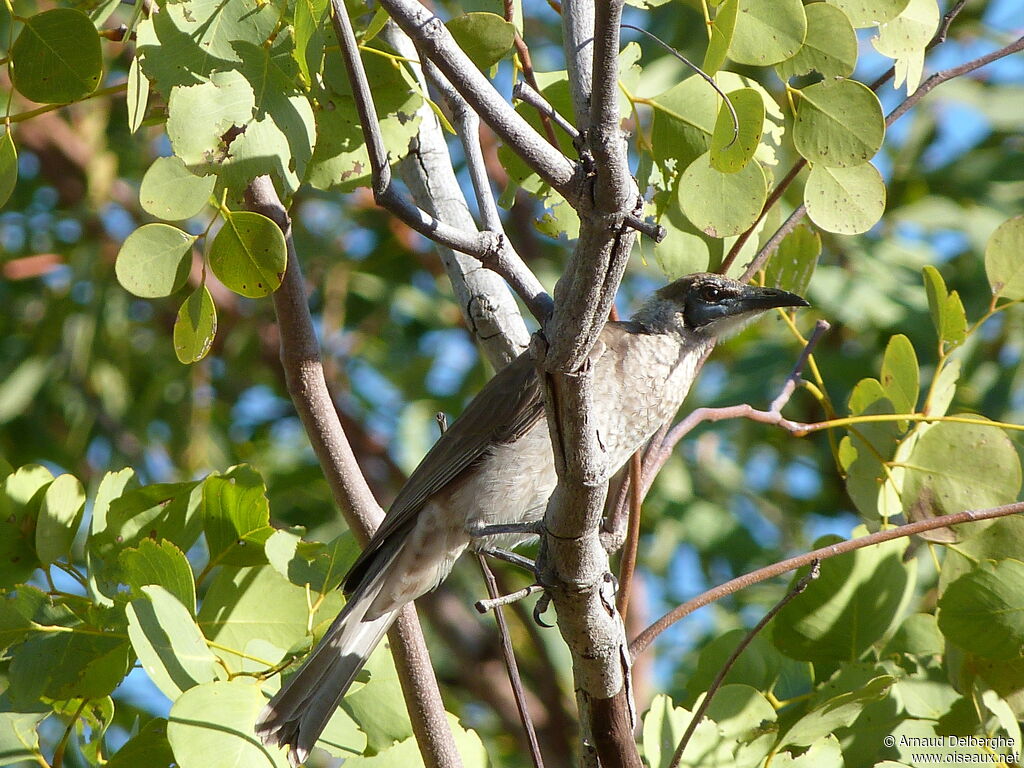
{"x": 793, "y": 264}
{"x": 722, "y": 204}
{"x": 168, "y": 643}
{"x": 990, "y": 596}
{"x": 830, "y": 47}
{"x": 249, "y": 254}
{"x": 171, "y": 191}
{"x": 869, "y": 13}
{"x": 57, "y": 58}
{"x": 137, "y": 95}
{"x": 160, "y": 563}
{"x": 731, "y": 156}
{"x": 218, "y": 718}
{"x": 838, "y": 123}
{"x": 722, "y": 29}
{"x": 905, "y": 39}
{"x": 767, "y": 33}
{"x": 900, "y": 375}
{"x": 1003, "y": 263}
{"x": 835, "y": 713}
{"x": 849, "y": 607}
{"x": 8, "y": 167}
{"x": 236, "y": 508}
{"x": 60, "y": 514}
{"x": 154, "y": 261}
{"x": 485, "y": 37}
{"x": 195, "y": 327}
{"x": 847, "y": 201}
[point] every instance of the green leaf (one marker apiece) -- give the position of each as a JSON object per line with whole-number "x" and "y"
{"x": 767, "y": 33}
{"x": 847, "y": 201}
{"x": 168, "y": 643}
{"x": 722, "y": 204}
{"x": 905, "y": 39}
{"x": 218, "y": 719}
{"x": 20, "y": 612}
{"x": 149, "y": 747}
{"x": 839, "y": 123}
{"x": 869, "y": 13}
{"x": 137, "y": 95}
{"x": 249, "y": 254}
{"x": 983, "y": 610}
{"x": 900, "y": 374}
{"x": 956, "y": 467}
{"x": 234, "y": 614}
{"x": 321, "y": 566}
{"x": 824, "y": 753}
{"x": 154, "y": 260}
{"x": 954, "y": 321}
{"x": 1003, "y": 263}
{"x": 935, "y": 288}
{"x": 57, "y": 58}
{"x": 8, "y": 167}
{"x": 835, "y": 713}
{"x": 310, "y": 17}
{"x": 830, "y": 47}
{"x": 485, "y": 37}
{"x": 793, "y": 264}
{"x": 378, "y": 706}
{"x": 917, "y": 635}
{"x": 731, "y": 156}
{"x": 20, "y": 499}
{"x": 169, "y": 511}
{"x": 195, "y": 327}
{"x": 22, "y": 385}
{"x": 722, "y": 28}
{"x": 67, "y": 665}
{"x": 161, "y": 563}
{"x": 171, "y": 191}
{"x": 237, "y": 516}
{"x": 205, "y": 120}
{"x": 849, "y": 607}
{"x": 18, "y": 737}
{"x": 60, "y": 514}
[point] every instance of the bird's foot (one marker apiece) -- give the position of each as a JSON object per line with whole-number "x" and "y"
{"x": 510, "y": 557}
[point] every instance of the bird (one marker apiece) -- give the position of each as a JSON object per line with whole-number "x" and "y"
{"x": 494, "y": 466}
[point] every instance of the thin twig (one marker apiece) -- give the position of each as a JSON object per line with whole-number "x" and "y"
{"x": 524, "y": 92}
{"x": 700, "y": 711}
{"x": 642, "y": 641}
{"x": 704, "y": 75}
{"x": 627, "y": 567}
{"x": 511, "y": 666}
{"x": 497, "y": 601}
{"x": 526, "y": 61}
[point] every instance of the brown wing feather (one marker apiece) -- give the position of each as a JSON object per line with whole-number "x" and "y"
{"x": 508, "y": 405}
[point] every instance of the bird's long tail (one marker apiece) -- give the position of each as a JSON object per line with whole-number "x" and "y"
{"x": 298, "y": 714}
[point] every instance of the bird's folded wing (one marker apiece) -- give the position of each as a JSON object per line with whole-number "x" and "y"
{"x": 508, "y": 405}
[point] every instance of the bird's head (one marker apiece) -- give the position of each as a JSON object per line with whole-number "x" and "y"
{"x": 711, "y": 305}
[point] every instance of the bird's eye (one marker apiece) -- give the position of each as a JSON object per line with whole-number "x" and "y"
{"x": 710, "y": 293}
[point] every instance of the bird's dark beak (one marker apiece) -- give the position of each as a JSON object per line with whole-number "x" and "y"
{"x": 758, "y": 299}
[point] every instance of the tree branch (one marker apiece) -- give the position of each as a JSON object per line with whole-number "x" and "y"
{"x": 433, "y": 39}
{"x": 645, "y": 638}
{"x": 300, "y": 358}
{"x": 578, "y": 44}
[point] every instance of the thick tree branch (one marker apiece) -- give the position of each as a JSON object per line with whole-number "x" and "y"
{"x": 645, "y": 638}
{"x": 578, "y": 44}
{"x": 300, "y": 358}
{"x": 432, "y": 38}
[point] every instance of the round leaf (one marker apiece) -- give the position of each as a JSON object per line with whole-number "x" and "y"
{"x": 154, "y": 261}
{"x": 213, "y": 724}
{"x": 8, "y": 167}
{"x": 983, "y": 610}
{"x": 485, "y": 37}
{"x": 249, "y": 254}
{"x": 161, "y": 563}
{"x": 838, "y": 123}
{"x": 722, "y": 204}
{"x": 730, "y": 156}
{"x": 171, "y": 191}
{"x": 767, "y": 33}
{"x": 870, "y": 13}
{"x": 1003, "y": 263}
{"x": 956, "y": 467}
{"x": 847, "y": 201}
{"x": 56, "y": 58}
{"x": 195, "y": 327}
{"x": 830, "y": 47}
{"x": 59, "y": 517}
{"x": 168, "y": 643}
